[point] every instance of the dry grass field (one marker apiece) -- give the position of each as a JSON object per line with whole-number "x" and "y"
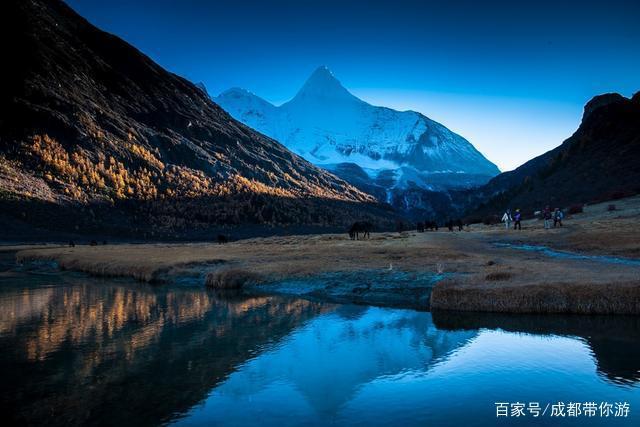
{"x": 481, "y": 275}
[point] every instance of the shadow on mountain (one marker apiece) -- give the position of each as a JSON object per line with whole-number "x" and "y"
{"x": 598, "y": 162}
{"x": 96, "y": 138}
{"x": 614, "y": 340}
{"x": 199, "y": 218}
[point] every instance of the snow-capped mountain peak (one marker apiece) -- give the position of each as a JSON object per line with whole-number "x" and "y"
{"x": 322, "y": 85}
{"x": 329, "y": 126}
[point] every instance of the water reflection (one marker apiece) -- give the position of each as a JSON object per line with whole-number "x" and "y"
{"x": 331, "y": 358}
{"x": 87, "y": 351}
{"x": 614, "y": 340}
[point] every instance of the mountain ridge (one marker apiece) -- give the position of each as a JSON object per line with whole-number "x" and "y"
{"x": 437, "y": 148}
{"x": 95, "y": 126}
{"x": 599, "y": 161}
{"x": 408, "y": 159}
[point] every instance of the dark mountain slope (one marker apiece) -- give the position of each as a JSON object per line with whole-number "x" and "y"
{"x": 600, "y": 161}
{"x": 95, "y": 132}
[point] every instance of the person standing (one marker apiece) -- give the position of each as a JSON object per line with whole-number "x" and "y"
{"x": 516, "y": 220}
{"x": 546, "y": 215}
{"x": 506, "y": 218}
{"x": 557, "y": 217}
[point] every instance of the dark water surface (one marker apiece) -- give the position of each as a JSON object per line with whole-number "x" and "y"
{"x": 78, "y": 350}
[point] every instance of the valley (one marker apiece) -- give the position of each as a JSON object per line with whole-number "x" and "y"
{"x": 178, "y": 250}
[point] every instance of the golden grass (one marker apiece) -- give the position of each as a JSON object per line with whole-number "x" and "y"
{"x": 231, "y": 278}
{"x": 557, "y": 297}
{"x": 491, "y": 279}
{"x": 273, "y": 257}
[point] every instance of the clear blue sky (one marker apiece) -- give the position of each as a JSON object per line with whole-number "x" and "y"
{"x": 510, "y": 76}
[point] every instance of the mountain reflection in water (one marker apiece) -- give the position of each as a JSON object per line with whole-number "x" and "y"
{"x": 77, "y": 350}
{"x": 86, "y": 350}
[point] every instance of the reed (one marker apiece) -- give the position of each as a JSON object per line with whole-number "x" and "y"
{"x": 498, "y": 276}
{"x": 231, "y": 278}
{"x": 621, "y": 298}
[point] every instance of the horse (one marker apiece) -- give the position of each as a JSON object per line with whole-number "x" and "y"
{"x": 358, "y": 227}
{"x": 222, "y": 239}
{"x": 420, "y": 227}
{"x": 431, "y": 225}
{"x": 449, "y": 224}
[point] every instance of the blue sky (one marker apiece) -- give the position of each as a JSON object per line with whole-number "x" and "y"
{"x": 512, "y": 77}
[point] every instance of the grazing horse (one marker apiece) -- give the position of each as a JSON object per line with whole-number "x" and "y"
{"x": 93, "y": 243}
{"x": 420, "y": 227}
{"x": 222, "y": 239}
{"x": 358, "y": 227}
{"x": 459, "y": 224}
{"x": 431, "y": 225}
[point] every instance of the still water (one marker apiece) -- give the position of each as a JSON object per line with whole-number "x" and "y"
{"x": 78, "y": 350}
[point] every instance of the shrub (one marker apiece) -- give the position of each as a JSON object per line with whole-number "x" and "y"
{"x": 614, "y": 195}
{"x": 621, "y": 194}
{"x": 472, "y": 220}
{"x": 491, "y": 219}
{"x": 498, "y": 276}
{"x": 575, "y": 209}
{"x": 231, "y": 278}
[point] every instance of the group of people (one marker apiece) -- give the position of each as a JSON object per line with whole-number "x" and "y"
{"x": 556, "y": 215}
{"x": 507, "y": 218}
{"x": 547, "y": 215}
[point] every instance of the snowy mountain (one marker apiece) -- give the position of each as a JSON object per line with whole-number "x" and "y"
{"x": 332, "y": 128}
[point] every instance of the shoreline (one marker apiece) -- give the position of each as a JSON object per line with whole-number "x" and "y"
{"x": 448, "y": 294}
{"x": 418, "y": 291}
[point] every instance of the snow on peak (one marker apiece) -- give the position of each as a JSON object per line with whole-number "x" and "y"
{"x": 236, "y": 91}
{"x": 322, "y": 76}
{"x": 322, "y": 85}
{"x": 327, "y": 125}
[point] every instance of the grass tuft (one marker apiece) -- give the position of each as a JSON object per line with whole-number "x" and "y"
{"x": 498, "y": 276}
{"x": 231, "y": 278}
